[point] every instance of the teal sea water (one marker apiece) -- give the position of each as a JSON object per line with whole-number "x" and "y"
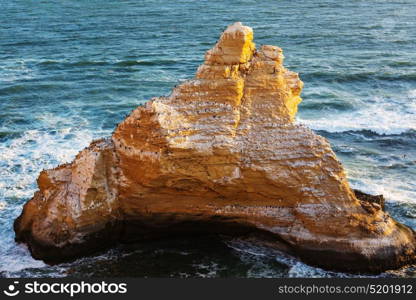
{"x": 71, "y": 70}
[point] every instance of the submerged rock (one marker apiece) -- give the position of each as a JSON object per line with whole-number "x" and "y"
{"x": 220, "y": 154}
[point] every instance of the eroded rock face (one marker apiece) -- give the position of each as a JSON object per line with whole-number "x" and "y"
{"x": 220, "y": 154}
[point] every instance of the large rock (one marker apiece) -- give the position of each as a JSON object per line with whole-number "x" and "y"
{"x": 221, "y": 154}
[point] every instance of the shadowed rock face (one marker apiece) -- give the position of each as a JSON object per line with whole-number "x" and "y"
{"x": 221, "y": 154}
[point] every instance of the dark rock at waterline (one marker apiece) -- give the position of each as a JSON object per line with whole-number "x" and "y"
{"x": 378, "y": 199}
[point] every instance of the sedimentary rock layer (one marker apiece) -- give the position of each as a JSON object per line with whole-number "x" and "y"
{"x": 221, "y": 154}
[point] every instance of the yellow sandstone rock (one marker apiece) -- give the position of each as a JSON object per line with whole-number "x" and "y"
{"x": 220, "y": 154}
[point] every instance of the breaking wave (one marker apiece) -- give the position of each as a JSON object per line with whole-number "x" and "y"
{"x": 382, "y": 116}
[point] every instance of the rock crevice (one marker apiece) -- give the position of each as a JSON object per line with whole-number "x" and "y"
{"x": 220, "y": 154}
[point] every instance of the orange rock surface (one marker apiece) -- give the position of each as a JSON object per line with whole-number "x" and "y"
{"x": 220, "y": 154}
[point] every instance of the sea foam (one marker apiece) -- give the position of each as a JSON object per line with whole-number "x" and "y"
{"x": 382, "y": 116}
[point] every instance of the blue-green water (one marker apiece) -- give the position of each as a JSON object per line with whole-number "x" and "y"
{"x": 71, "y": 70}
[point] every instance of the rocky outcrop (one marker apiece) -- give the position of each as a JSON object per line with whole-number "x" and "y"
{"x": 220, "y": 154}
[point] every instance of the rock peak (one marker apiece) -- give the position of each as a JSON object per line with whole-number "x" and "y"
{"x": 235, "y": 46}
{"x": 221, "y": 154}
{"x": 238, "y": 29}
{"x": 234, "y": 58}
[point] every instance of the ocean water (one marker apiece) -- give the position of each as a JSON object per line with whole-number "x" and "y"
{"x": 71, "y": 70}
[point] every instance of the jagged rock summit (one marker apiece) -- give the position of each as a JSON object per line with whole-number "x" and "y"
{"x": 221, "y": 154}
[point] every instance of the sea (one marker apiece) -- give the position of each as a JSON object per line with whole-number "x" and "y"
{"x": 70, "y": 71}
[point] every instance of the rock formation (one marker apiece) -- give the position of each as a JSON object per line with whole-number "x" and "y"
{"x": 221, "y": 154}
